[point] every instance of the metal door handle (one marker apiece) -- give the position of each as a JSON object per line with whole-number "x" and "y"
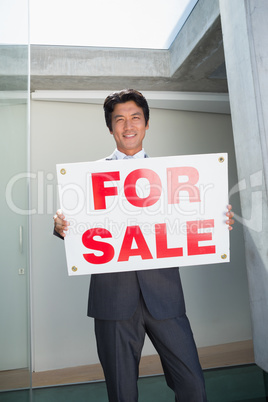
{"x": 21, "y": 238}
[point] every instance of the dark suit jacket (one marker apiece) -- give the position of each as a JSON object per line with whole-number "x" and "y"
{"x": 115, "y": 296}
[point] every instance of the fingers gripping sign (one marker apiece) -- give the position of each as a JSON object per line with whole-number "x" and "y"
{"x": 230, "y": 215}
{"x": 60, "y": 224}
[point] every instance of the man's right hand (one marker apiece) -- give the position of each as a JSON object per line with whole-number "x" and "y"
{"x": 60, "y": 224}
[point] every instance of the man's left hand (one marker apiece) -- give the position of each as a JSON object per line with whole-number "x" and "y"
{"x": 230, "y": 215}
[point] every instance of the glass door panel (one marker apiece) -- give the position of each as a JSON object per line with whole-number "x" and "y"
{"x": 14, "y": 199}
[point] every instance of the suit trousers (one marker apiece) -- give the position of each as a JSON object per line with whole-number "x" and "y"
{"x": 119, "y": 345}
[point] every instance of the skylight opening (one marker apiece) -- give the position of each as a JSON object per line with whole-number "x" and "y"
{"x": 144, "y": 24}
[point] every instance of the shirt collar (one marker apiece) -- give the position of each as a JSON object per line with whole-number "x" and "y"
{"x": 121, "y": 155}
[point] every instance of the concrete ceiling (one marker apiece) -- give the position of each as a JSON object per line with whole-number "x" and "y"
{"x": 193, "y": 63}
{"x": 69, "y": 68}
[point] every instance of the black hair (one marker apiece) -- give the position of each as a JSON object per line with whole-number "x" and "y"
{"x": 124, "y": 96}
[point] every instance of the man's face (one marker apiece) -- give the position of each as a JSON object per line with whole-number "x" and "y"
{"x": 128, "y": 127}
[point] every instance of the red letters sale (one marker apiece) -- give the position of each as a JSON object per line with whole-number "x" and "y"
{"x": 145, "y": 213}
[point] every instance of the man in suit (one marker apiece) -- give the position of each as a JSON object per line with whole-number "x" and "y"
{"x": 127, "y": 305}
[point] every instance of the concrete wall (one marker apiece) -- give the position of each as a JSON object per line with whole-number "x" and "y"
{"x": 246, "y": 51}
{"x": 216, "y": 296}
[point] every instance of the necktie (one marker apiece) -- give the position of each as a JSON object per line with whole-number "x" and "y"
{"x": 128, "y": 157}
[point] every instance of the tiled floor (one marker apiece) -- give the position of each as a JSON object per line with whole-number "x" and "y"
{"x": 233, "y": 384}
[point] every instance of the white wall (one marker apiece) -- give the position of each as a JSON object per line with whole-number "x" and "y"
{"x": 216, "y": 295}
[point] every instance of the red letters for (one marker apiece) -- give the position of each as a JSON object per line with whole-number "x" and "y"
{"x": 155, "y": 187}
{"x": 99, "y": 191}
{"x": 175, "y": 186}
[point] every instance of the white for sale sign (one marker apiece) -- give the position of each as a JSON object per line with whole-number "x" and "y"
{"x": 145, "y": 213}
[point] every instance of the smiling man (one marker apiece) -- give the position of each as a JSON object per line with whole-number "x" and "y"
{"x": 128, "y": 126}
{"x": 128, "y": 305}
